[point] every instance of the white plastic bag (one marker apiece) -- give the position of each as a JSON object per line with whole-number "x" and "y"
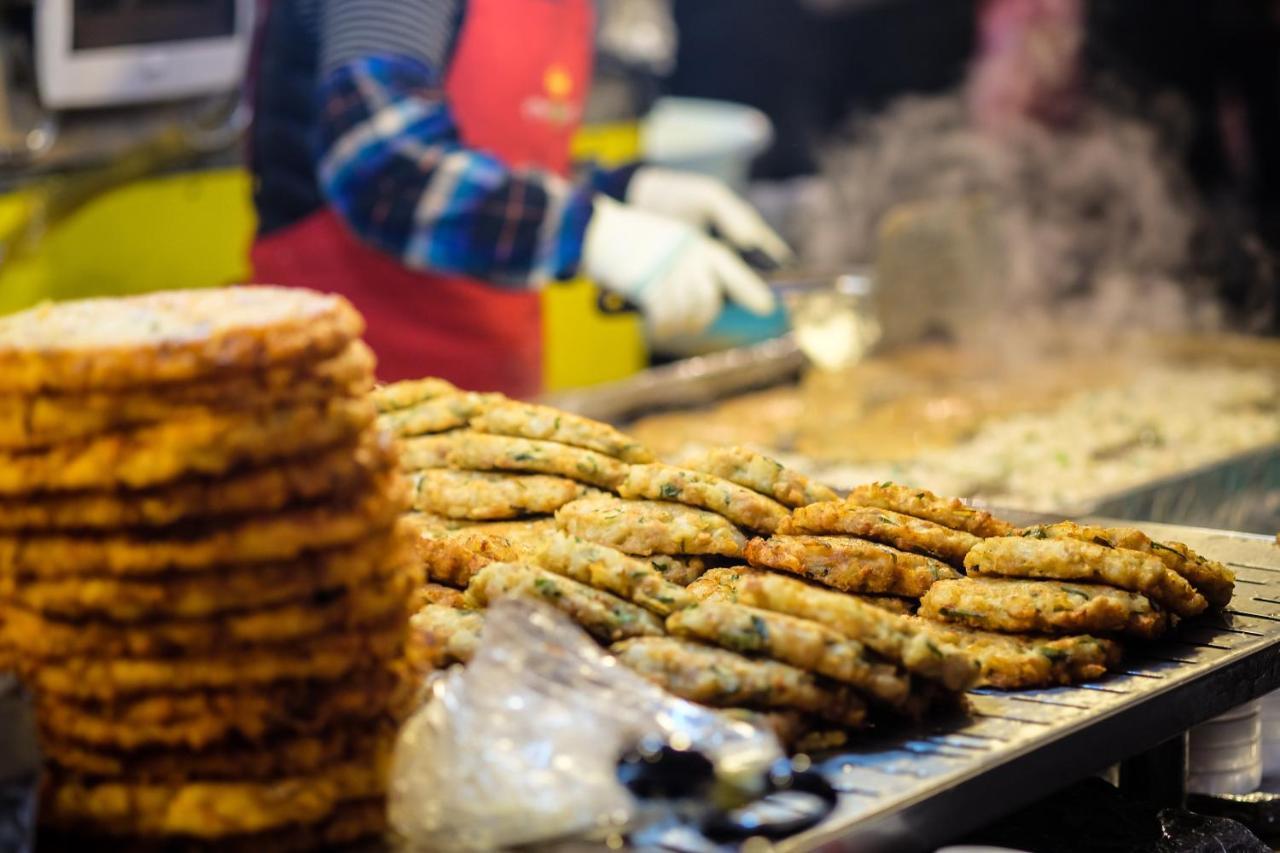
{"x": 522, "y": 745}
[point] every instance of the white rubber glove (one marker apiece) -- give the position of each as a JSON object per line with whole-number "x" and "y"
{"x": 676, "y": 275}
{"x": 705, "y": 202}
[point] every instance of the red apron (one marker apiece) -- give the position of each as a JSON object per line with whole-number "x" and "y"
{"x": 516, "y": 86}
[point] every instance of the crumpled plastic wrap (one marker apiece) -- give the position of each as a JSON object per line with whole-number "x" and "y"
{"x": 522, "y": 746}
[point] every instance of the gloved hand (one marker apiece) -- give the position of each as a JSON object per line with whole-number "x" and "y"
{"x": 674, "y": 273}
{"x": 705, "y": 202}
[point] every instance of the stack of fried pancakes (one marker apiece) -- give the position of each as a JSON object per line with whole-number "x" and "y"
{"x": 201, "y": 572}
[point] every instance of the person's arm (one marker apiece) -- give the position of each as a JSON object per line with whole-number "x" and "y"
{"x": 392, "y": 165}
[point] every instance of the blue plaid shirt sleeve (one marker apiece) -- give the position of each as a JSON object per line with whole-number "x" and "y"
{"x": 392, "y": 165}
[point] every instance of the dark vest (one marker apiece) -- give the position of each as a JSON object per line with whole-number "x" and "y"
{"x": 282, "y": 139}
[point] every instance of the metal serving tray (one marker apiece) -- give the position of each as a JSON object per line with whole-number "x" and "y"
{"x": 1238, "y": 493}
{"x": 920, "y": 789}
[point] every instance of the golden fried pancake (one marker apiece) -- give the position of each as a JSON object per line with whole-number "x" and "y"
{"x": 208, "y": 444}
{"x": 603, "y": 615}
{"x": 1043, "y": 607}
{"x": 530, "y": 420}
{"x": 904, "y": 532}
{"x": 454, "y": 558}
{"x": 429, "y": 451}
{"x": 224, "y": 589}
{"x": 721, "y": 678}
{"x": 851, "y": 565}
{"x": 802, "y": 643}
{"x": 259, "y": 489}
{"x": 210, "y": 809}
{"x": 436, "y": 415}
{"x": 744, "y": 507}
{"x": 40, "y": 637}
{"x": 271, "y": 758}
{"x": 922, "y": 503}
{"x": 355, "y": 821}
{"x": 171, "y": 336}
{"x": 410, "y": 392}
{"x": 434, "y": 593}
{"x": 440, "y": 636}
{"x": 1077, "y": 560}
{"x": 762, "y": 474}
{"x": 194, "y": 720}
{"x": 605, "y": 568}
{"x": 490, "y": 496}
{"x": 651, "y": 527}
{"x": 479, "y": 452}
{"x": 284, "y": 535}
{"x": 899, "y": 639}
{"x": 1018, "y": 662}
{"x": 325, "y": 657}
{"x": 46, "y": 419}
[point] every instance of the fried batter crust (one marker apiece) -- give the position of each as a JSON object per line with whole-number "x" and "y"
{"x": 225, "y": 589}
{"x": 603, "y": 615}
{"x": 922, "y": 503}
{"x": 740, "y": 505}
{"x": 899, "y": 639}
{"x": 903, "y": 532}
{"x": 195, "y": 720}
{"x": 440, "y": 636}
{"x": 428, "y": 451}
{"x": 327, "y": 657}
{"x": 760, "y": 473}
{"x": 210, "y": 444}
{"x": 31, "y": 421}
{"x": 1211, "y": 579}
{"x": 45, "y": 639}
{"x": 1012, "y": 662}
{"x": 1075, "y": 560}
{"x": 651, "y": 527}
{"x": 1043, "y": 607}
{"x": 725, "y": 679}
{"x": 281, "y": 756}
{"x": 801, "y": 643}
{"x": 433, "y": 593}
{"x": 480, "y": 452}
{"x": 271, "y": 538}
{"x": 259, "y": 489}
{"x": 529, "y": 420}
{"x": 211, "y": 809}
{"x": 489, "y": 496}
{"x": 436, "y": 415}
{"x": 611, "y": 570}
{"x": 851, "y": 565}
{"x": 170, "y": 336}
{"x": 410, "y": 392}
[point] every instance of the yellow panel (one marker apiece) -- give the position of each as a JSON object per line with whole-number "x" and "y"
{"x": 581, "y": 346}
{"x": 186, "y": 230}
{"x": 584, "y": 347}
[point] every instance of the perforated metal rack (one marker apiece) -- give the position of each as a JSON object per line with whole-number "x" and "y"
{"x": 920, "y": 790}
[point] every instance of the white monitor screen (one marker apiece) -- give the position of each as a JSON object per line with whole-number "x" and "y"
{"x": 116, "y": 23}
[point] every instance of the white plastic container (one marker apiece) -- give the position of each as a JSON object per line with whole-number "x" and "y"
{"x": 717, "y": 138}
{"x": 1224, "y": 755}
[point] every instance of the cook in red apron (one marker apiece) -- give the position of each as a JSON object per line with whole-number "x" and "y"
{"x": 428, "y": 175}
{"x": 515, "y": 86}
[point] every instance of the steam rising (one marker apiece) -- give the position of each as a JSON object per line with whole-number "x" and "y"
{"x": 1091, "y": 224}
